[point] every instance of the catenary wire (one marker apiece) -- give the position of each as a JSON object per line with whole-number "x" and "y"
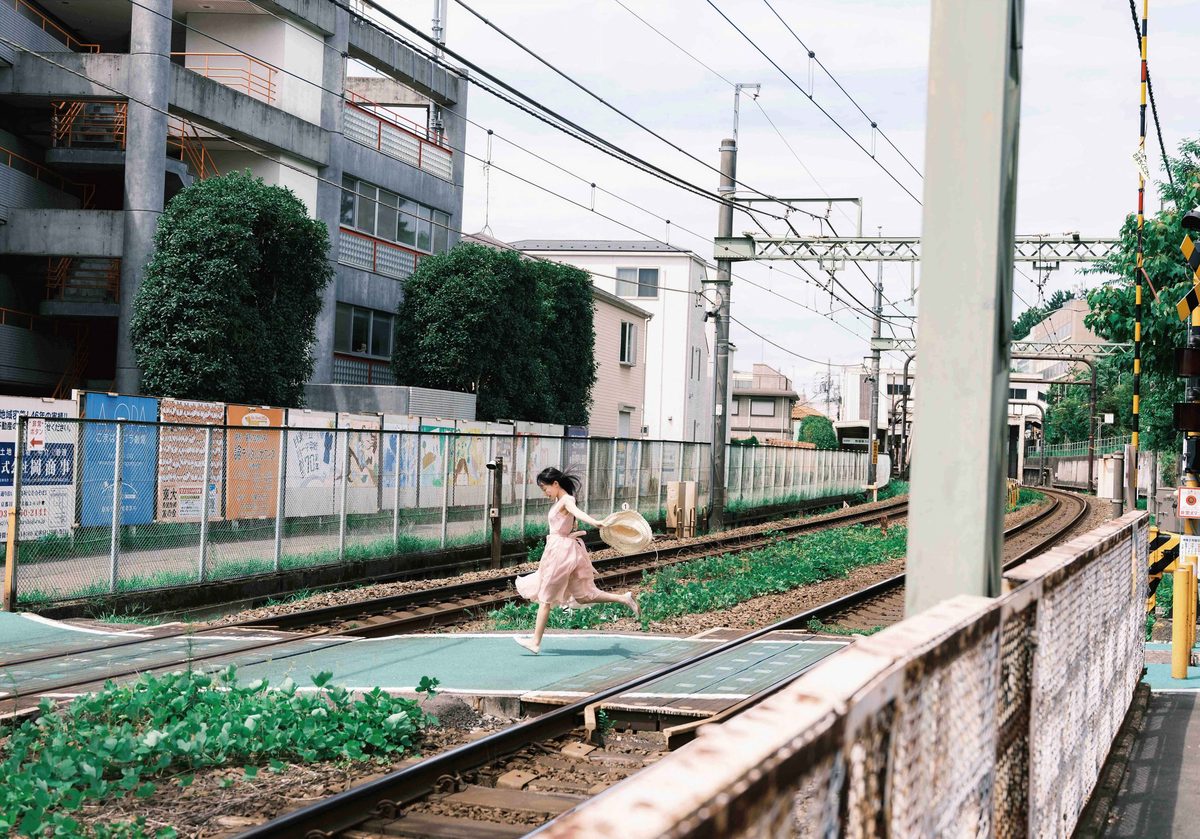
{"x": 818, "y": 105}
{"x": 832, "y": 78}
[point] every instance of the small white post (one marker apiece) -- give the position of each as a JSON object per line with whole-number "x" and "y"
{"x": 114, "y": 547}
{"x": 202, "y": 569}
{"x": 342, "y": 492}
{"x": 280, "y": 498}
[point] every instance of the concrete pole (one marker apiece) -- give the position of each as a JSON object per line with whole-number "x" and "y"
{"x": 722, "y": 287}
{"x": 873, "y": 419}
{"x": 149, "y": 82}
{"x": 958, "y": 490}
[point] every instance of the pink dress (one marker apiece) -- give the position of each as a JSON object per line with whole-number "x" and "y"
{"x": 565, "y": 574}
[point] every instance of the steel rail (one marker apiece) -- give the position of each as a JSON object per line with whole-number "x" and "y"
{"x": 382, "y": 796}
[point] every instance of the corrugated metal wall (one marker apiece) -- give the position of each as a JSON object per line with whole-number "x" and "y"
{"x": 31, "y": 359}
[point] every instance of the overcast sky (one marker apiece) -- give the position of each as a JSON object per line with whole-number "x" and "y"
{"x": 1078, "y": 131}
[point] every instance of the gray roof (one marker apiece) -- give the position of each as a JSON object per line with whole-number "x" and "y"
{"x": 605, "y": 245}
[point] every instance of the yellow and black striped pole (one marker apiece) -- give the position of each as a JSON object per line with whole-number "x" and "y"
{"x": 1139, "y": 271}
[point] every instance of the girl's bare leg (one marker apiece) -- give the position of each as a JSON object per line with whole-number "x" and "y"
{"x": 534, "y": 644}
{"x": 625, "y": 599}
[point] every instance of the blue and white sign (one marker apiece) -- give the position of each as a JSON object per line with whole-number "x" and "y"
{"x": 47, "y": 472}
{"x": 139, "y": 459}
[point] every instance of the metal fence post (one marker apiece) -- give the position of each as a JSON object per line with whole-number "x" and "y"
{"x": 447, "y": 476}
{"x": 114, "y": 544}
{"x": 202, "y": 566}
{"x": 637, "y": 481}
{"x": 612, "y": 490}
{"x": 342, "y": 496}
{"x": 662, "y": 450}
{"x": 396, "y": 490}
{"x": 587, "y": 471}
{"x": 280, "y": 499}
{"x": 13, "y": 551}
{"x": 491, "y": 455}
{"x": 524, "y": 484}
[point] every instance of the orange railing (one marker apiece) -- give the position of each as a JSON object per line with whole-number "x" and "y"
{"x": 48, "y": 176}
{"x": 84, "y": 275}
{"x": 33, "y": 13}
{"x": 233, "y": 69}
{"x": 377, "y": 255}
{"x": 91, "y": 123}
{"x": 183, "y": 139}
{"x": 375, "y": 126}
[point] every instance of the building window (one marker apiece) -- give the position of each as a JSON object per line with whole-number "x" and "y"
{"x": 363, "y": 331}
{"x": 733, "y": 411}
{"x": 696, "y": 363}
{"x": 762, "y": 407}
{"x": 623, "y": 423}
{"x": 628, "y": 343}
{"x": 1017, "y": 392}
{"x": 393, "y": 218}
{"x": 899, "y": 390}
{"x": 637, "y": 282}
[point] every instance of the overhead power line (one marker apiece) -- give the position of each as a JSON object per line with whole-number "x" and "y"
{"x": 811, "y": 99}
{"x": 813, "y": 56}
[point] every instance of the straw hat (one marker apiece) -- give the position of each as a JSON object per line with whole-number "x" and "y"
{"x": 626, "y": 532}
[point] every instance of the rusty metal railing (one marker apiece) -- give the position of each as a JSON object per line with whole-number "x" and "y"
{"x": 65, "y": 274}
{"x": 33, "y": 13}
{"x": 233, "y": 69}
{"x": 84, "y": 192}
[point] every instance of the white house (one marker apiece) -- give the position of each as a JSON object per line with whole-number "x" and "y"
{"x": 665, "y": 281}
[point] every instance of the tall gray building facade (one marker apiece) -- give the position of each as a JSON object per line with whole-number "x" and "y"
{"x": 108, "y": 108}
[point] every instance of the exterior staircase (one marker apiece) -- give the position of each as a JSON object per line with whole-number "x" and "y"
{"x": 83, "y": 279}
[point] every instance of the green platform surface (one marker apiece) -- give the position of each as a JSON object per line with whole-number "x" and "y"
{"x": 1158, "y": 675}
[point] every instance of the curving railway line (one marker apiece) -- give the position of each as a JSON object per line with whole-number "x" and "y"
{"x": 461, "y": 793}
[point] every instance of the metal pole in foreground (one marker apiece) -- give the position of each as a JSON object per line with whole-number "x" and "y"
{"x": 202, "y": 565}
{"x": 13, "y": 547}
{"x": 280, "y": 499}
{"x": 114, "y": 544}
{"x": 958, "y": 489}
{"x": 497, "y": 469}
{"x": 873, "y": 419}
{"x": 720, "y": 316}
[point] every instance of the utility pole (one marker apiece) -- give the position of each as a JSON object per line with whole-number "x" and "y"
{"x": 873, "y": 420}
{"x": 720, "y": 315}
{"x": 441, "y": 11}
{"x": 956, "y": 511}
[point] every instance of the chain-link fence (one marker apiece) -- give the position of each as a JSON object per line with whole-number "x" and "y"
{"x": 979, "y": 717}
{"x": 215, "y": 492}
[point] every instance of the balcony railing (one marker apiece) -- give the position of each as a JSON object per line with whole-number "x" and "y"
{"x": 371, "y": 254}
{"x": 102, "y": 123}
{"x": 37, "y": 171}
{"x": 83, "y": 279}
{"x": 356, "y": 370}
{"x": 233, "y": 69}
{"x": 33, "y": 13}
{"x": 374, "y": 126}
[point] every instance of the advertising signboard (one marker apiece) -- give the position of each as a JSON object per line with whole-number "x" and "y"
{"x": 252, "y": 462}
{"x": 47, "y": 472}
{"x": 181, "y": 460}
{"x": 139, "y": 458}
{"x": 311, "y": 463}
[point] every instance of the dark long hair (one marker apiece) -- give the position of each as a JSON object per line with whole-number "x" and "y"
{"x": 565, "y": 480}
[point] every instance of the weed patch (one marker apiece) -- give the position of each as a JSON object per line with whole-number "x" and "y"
{"x": 715, "y": 583}
{"x": 127, "y": 740}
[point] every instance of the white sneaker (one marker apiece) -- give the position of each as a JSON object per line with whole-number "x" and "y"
{"x": 528, "y": 644}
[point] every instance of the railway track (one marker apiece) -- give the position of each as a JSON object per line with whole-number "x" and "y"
{"x": 457, "y": 602}
{"x": 476, "y": 789}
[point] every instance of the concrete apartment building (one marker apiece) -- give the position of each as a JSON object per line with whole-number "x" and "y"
{"x": 666, "y": 282}
{"x": 109, "y": 108}
{"x": 762, "y": 404}
{"x": 619, "y": 395}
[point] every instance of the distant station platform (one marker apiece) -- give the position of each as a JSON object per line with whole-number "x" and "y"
{"x": 1158, "y": 669}
{"x": 48, "y": 658}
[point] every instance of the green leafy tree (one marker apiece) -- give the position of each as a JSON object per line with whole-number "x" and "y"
{"x": 568, "y": 339}
{"x": 229, "y": 305}
{"x": 1034, "y": 315}
{"x": 818, "y": 431}
{"x": 515, "y": 332}
{"x": 1167, "y": 280}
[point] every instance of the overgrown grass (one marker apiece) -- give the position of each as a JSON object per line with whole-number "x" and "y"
{"x": 1025, "y": 497}
{"x": 815, "y": 625}
{"x": 130, "y": 739}
{"x": 715, "y": 583}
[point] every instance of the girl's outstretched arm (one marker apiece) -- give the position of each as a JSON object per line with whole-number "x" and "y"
{"x": 570, "y": 506}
